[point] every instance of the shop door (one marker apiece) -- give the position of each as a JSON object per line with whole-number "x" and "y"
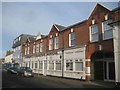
{"x": 109, "y": 68}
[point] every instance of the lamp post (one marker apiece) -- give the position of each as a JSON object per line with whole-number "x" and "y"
{"x": 62, "y": 55}
{"x": 38, "y": 66}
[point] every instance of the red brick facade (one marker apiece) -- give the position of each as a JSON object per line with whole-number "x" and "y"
{"x": 82, "y": 34}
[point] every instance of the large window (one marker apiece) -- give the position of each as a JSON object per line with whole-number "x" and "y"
{"x": 56, "y": 42}
{"x": 107, "y": 30}
{"x": 40, "y": 65}
{"x": 58, "y": 65}
{"x": 72, "y": 39}
{"x": 51, "y": 44}
{"x": 94, "y": 33}
{"x": 37, "y": 48}
{"x": 34, "y": 47}
{"x": 69, "y": 66}
{"x": 78, "y": 66}
{"x": 32, "y": 64}
{"x": 28, "y": 49}
{"x": 51, "y": 65}
{"x": 41, "y": 47}
{"x": 25, "y": 50}
{"x": 36, "y": 65}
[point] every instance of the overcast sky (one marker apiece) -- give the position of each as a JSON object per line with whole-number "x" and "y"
{"x": 33, "y": 17}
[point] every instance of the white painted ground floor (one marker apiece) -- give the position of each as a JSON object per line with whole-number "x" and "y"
{"x": 73, "y": 65}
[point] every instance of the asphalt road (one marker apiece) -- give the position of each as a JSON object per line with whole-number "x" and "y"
{"x": 14, "y": 81}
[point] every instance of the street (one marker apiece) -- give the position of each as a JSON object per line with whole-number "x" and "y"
{"x": 40, "y": 81}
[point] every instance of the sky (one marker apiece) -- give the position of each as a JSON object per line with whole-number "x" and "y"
{"x": 33, "y": 17}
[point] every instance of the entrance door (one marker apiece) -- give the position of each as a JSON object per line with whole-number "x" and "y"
{"x": 109, "y": 68}
{"x": 45, "y": 67}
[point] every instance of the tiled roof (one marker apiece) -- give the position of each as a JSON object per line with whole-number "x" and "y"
{"x": 74, "y": 25}
{"x": 59, "y": 27}
{"x": 23, "y": 40}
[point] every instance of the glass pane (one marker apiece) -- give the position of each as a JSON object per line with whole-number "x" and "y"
{"x": 111, "y": 71}
{"x": 69, "y": 66}
{"x": 94, "y": 29}
{"x": 51, "y": 66}
{"x": 58, "y": 66}
{"x": 79, "y": 66}
{"x": 108, "y": 34}
{"x": 95, "y": 37}
{"x": 73, "y": 42}
{"x": 72, "y": 36}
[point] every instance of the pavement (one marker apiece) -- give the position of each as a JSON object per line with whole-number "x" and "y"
{"x": 77, "y": 82}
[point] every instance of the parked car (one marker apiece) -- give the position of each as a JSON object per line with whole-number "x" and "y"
{"x": 25, "y": 71}
{"x": 12, "y": 70}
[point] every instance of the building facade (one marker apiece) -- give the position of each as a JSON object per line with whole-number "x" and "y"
{"x": 84, "y": 50}
{"x": 17, "y": 48}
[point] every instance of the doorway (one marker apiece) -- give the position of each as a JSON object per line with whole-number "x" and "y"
{"x": 103, "y": 66}
{"x": 109, "y": 69}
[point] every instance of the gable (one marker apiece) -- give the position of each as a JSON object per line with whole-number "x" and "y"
{"x": 97, "y": 10}
{"x": 53, "y": 29}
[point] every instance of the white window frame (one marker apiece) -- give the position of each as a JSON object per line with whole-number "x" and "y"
{"x": 91, "y": 40}
{"x": 28, "y": 50}
{"x": 34, "y": 48}
{"x": 57, "y": 43}
{"x": 41, "y": 47}
{"x": 103, "y": 31}
{"x": 37, "y": 47}
{"x": 58, "y": 62}
{"x": 79, "y": 62}
{"x": 51, "y": 44}
{"x": 25, "y": 50}
{"x": 66, "y": 65}
{"x": 51, "y": 63}
{"x": 40, "y": 65}
{"x": 70, "y": 40}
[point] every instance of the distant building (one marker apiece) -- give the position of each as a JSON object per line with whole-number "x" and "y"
{"x": 9, "y": 57}
{"x": 17, "y": 48}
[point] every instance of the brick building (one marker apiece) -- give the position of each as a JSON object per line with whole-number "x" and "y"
{"x": 84, "y": 50}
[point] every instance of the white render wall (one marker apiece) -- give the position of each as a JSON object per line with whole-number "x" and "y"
{"x": 69, "y": 54}
{"x": 9, "y": 58}
{"x": 116, "y": 38}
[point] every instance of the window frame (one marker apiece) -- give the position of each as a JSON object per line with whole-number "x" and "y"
{"x": 104, "y": 31}
{"x": 72, "y": 39}
{"x": 57, "y": 42}
{"x": 95, "y": 33}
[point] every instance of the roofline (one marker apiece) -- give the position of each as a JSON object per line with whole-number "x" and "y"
{"x": 84, "y": 21}
{"x": 95, "y": 6}
{"x": 56, "y": 27}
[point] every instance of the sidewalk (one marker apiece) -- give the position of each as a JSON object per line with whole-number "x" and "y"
{"x": 76, "y": 83}
{"x": 106, "y": 84}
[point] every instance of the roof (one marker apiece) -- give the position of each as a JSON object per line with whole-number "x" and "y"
{"x": 74, "y": 25}
{"x": 115, "y": 9}
{"x": 59, "y": 27}
{"x": 22, "y": 40}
